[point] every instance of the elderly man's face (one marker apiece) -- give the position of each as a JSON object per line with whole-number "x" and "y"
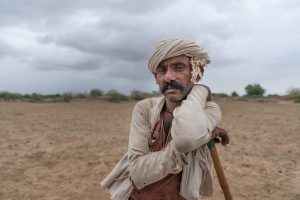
{"x": 173, "y": 76}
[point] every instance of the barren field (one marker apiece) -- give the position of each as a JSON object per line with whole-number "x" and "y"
{"x": 61, "y": 151}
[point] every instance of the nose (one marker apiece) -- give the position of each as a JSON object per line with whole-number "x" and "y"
{"x": 170, "y": 76}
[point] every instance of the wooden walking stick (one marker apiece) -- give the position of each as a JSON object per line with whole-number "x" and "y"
{"x": 219, "y": 170}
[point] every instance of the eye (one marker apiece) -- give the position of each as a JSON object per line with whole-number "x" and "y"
{"x": 160, "y": 70}
{"x": 179, "y": 67}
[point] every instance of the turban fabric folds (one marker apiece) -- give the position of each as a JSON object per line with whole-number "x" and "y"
{"x": 175, "y": 47}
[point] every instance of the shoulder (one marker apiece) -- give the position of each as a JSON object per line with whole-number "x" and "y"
{"x": 143, "y": 110}
{"x": 148, "y": 103}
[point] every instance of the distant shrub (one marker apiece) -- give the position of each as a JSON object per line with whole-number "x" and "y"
{"x": 255, "y": 90}
{"x": 154, "y": 94}
{"x": 295, "y": 93}
{"x": 52, "y": 96}
{"x": 96, "y": 93}
{"x": 10, "y": 96}
{"x": 234, "y": 94}
{"x": 67, "y": 97}
{"x": 220, "y": 95}
{"x": 138, "y": 95}
{"x": 273, "y": 95}
{"x": 297, "y": 98}
{"x": 115, "y": 96}
{"x": 48, "y": 98}
{"x": 35, "y": 97}
{"x": 27, "y": 96}
{"x": 80, "y": 95}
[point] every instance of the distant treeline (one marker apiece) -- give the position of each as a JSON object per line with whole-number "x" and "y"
{"x": 256, "y": 91}
{"x": 112, "y": 95}
{"x": 253, "y": 91}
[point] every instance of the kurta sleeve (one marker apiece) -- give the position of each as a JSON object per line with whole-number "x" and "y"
{"x": 194, "y": 120}
{"x": 147, "y": 167}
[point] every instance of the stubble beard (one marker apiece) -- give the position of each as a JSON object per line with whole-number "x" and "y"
{"x": 177, "y": 98}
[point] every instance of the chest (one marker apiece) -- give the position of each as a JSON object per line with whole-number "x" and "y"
{"x": 161, "y": 135}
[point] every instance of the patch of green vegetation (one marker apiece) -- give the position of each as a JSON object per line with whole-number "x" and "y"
{"x": 254, "y": 93}
{"x": 139, "y": 95}
{"x": 295, "y": 93}
{"x": 115, "y": 96}
{"x": 10, "y": 96}
{"x": 235, "y": 94}
{"x": 222, "y": 95}
{"x": 255, "y": 90}
{"x": 94, "y": 93}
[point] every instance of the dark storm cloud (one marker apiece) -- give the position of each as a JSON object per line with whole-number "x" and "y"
{"x": 14, "y": 12}
{"x": 114, "y": 38}
{"x": 132, "y": 70}
{"x": 54, "y": 62}
{"x": 112, "y": 42}
{"x": 112, "y": 30}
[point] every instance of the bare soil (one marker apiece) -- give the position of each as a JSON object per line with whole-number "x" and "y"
{"x": 63, "y": 150}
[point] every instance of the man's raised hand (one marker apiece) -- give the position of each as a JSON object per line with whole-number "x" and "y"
{"x": 220, "y": 135}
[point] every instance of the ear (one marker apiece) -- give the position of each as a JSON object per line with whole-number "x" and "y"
{"x": 155, "y": 76}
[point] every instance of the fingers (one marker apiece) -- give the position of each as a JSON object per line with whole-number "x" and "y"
{"x": 225, "y": 138}
{"x": 216, "y": 132}
{"x": 220, "y": 135}
{"x": 216, "y": 140}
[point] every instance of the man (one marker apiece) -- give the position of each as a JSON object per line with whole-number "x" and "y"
{"x": 167, "y": 156}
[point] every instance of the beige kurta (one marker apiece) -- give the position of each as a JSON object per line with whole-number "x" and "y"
{"x": 187, "y": 152}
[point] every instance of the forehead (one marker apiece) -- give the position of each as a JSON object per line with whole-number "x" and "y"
{"x": 176, "y": 59}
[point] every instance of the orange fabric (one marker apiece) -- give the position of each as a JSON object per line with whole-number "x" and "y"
{"x": 167, "y": 188}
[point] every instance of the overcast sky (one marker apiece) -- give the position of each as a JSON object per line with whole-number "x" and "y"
{"x": 54, "y": 46}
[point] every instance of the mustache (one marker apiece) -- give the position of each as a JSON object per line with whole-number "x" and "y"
{"x": 171, "y": 85}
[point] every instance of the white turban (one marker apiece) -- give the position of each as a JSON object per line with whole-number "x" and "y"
{"x": 165, "y": 49}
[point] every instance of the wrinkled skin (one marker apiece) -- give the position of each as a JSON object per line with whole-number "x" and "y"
{"x": 175, "y": 71}
{"x": 173, "y": 75}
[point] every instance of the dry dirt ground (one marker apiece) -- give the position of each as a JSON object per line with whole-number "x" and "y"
{"x": 62, "y": 150}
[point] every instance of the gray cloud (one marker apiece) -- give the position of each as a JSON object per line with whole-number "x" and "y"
{"x": 247, "y": 40}
{"x": 136, "y": 71}
{"x": 54, "y": 62}
{"x": 39, "y": 11}
{"x": 5, "y": 49}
